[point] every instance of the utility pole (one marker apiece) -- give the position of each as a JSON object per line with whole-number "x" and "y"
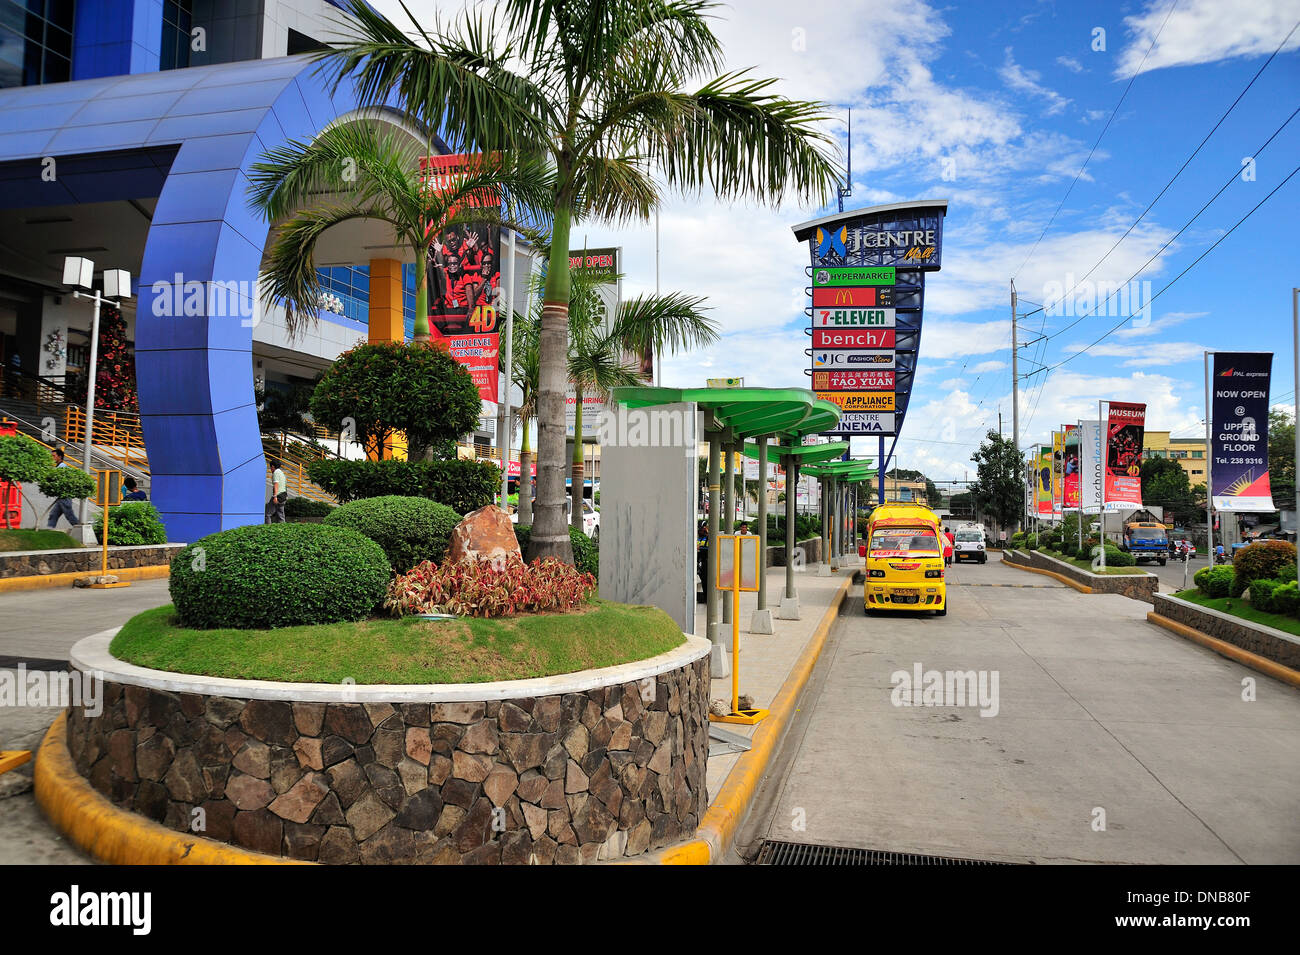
{"x": 1015, "y": 381}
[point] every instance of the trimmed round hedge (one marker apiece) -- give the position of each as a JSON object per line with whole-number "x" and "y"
{"x": 133, "y": 522}
{"x": 409, "y": 529}
{"x": 278, "y": 575}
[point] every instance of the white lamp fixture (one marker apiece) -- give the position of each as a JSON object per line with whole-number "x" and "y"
{"x": 79, "y": 273}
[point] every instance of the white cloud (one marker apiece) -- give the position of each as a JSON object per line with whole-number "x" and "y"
{"x": 1070, "y": 63}
{"x": 944, "y": 338}
{"x": 986, "y": 366}
{"x": 1145, "y": 355}
{"x": 1205, "y": 31}
{"x": 1026, "y": 81}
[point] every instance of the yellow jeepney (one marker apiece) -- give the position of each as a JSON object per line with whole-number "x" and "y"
{"x": 905, "y": 567}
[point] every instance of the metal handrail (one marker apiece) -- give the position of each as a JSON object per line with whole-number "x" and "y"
{"x": 117, "y": 429}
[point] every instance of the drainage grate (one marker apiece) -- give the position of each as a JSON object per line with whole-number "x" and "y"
{"x": 803, "y": 853}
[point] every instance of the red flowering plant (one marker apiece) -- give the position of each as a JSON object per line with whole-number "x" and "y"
{"x": 489, "y": 588}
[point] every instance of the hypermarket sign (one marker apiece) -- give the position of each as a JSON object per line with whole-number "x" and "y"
{"x": 860, "y": 400}
{"x": 852, "y": 359}
{"x": 854, "y": 317}
{"x": 842, "y": 277}
{"x": 861, "y": 338}
{"x": 853, "y": 381}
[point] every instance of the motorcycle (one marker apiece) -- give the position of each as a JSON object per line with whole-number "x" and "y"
{"x": 1221, "y": 558}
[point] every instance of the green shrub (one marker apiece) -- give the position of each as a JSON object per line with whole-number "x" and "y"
{"x": 134, "y": 522}
{"x": 409, "y": 529}
{"x": 299, "y": 507}
{"x": 1260, "y": 561}
{"x": 1261, "y": 594}
{"x": 586, "y": 552}
{"x": 278, "y": 575}
{"x": 23, "y": 460}
{"x": 1018, "y": 539}
{"x": 67, "y": 482}
{"x": 1216, "y": 582}
{"x": 1084, "y": 552}
{"x": 1118, "y": 558}
{"x": 806, "y": 526}
{"x": 1286, "y": 572}
{"x": 1031, "y": 542}
{"x": 1286, "y": 599}
{"x": 463, "y": 486}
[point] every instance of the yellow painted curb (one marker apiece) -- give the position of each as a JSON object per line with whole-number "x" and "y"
{"x": 1229, "y": 650}
{"x": 723, "y": 817}
{"x": 47, "y": 581}
{"x": 119, "y": 836}
{"x": 1082, "y": 588}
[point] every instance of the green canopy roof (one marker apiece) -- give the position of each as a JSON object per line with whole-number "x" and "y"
{"x": 850, "y": 471}
{"x": 744, "y": 412}
{"x": 802, "y": 453}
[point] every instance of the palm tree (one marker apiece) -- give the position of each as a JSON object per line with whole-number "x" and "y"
{"x": 357, "y": 171}
{"x": 603, "y": 356}
{"x": 600, "y": 88}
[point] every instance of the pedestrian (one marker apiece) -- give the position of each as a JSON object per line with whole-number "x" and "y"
{"x": 63, "y": 506}
{"x": 952, "y": 543}
{"x": 279, "y": 494}
{"x": 132, "y": 492}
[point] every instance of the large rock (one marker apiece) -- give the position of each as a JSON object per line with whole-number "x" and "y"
{"x": 485, "y": 534}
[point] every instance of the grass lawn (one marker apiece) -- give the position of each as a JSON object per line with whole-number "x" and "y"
{"x": 1240, "y": 607}
{"x": 11, "y": 540}
{"x": 1087, "y": 565}
{"x": 406, "y": 650}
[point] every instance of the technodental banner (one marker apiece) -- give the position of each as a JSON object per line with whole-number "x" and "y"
{"x": 1124, "y": 430}
{"x": 1239, "y": 437}
{"x": 1090, "y": 466}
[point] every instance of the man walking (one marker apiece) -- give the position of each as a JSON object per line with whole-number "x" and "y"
{"x": 63, "y": 506}
{"x": 279, "y": 494}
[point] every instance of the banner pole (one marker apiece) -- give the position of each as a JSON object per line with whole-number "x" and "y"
{"x": 1295, "y": 384}
{"x": 1078, "y": 427}
{"x": 1103, "y": 450}
{"x": 1209, "y": 470}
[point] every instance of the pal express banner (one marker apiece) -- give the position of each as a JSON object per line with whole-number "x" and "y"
{"x": 1239, "y": 437}
{"x": 1124, "y": 429}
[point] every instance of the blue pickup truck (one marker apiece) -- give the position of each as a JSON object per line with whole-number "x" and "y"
{"x": 1147, "y": 540}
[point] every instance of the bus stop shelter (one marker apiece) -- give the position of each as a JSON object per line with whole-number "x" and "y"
{"x": 840, "y": 482}
{"x": 733, "y": 416}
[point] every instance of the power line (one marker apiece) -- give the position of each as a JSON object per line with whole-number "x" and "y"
{"x": 1184, "y": 271}
{"x": 1088, "y": 159}
{"x": 1175, "y": 176}
{"x": 1170, "y": 241}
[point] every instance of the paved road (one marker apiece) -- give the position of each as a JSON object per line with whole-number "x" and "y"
{"x": 44, "y": 624}
{"x": 1097, "y": 711}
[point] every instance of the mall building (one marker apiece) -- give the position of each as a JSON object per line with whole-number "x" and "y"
{"x": 127, "y": 130}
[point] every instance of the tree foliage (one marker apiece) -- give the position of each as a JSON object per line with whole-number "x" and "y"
{"x": 1281, "y": 457}
{"x": 382, "y": 388}
{"x": 999, "y": 488}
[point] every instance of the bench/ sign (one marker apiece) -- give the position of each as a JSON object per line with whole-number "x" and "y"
{"x": 108, "y": 493}
{"x": 736, "y": 570}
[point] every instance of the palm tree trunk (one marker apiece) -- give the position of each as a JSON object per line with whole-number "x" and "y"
{"x": 578, "y": 463}
{"x": 550, "y": 538}
{"x": 525, "y": 473}
{"x": 421, "y": 330}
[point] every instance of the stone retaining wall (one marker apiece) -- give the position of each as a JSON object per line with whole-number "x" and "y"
{"x": 38, "y": 563}
{"x": 571, "y": 777}
{"x": 1139, "y": 586}
{"x": 1275, "y": 645}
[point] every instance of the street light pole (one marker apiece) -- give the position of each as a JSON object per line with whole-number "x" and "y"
{"x": 509, "y": 359}
{"x": 1295, "y": 349}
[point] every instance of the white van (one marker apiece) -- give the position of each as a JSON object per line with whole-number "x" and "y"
{"x": 969, "y": 544}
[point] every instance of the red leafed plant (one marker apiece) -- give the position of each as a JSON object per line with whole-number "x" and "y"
{"x": 488, "y": 588}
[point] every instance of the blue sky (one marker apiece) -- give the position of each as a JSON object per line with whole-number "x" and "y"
{"x": 995, "y": 107}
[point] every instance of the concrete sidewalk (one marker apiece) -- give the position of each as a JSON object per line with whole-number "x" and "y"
{"x": 766, "y": 660}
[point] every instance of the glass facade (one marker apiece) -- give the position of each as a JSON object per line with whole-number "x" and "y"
{"x": 351, "y": 283}
{"x": 35, "y": 42}
{"x": 174, "y": 53}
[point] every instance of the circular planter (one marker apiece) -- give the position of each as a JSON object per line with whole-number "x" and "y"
{"x": 575, "y": 768}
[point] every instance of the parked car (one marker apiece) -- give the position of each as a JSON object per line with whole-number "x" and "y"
{"x": 590, "y": 517}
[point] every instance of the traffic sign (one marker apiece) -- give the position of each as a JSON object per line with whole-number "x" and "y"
{"x": 852, "y": 359}
{"x": 853, "y": 297}
{"x": 853, "y": 317}
{"x": 853, "y": 381}
{"x": 864, "y": 422}
{"x": 853, "y": 338}
{"x": 848, "y": 276}
{"x": 860, "y": 400}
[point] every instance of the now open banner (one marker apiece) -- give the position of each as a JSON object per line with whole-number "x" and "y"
{"x": 1239, "y": 433}
{"x": 1125, "y": 425}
